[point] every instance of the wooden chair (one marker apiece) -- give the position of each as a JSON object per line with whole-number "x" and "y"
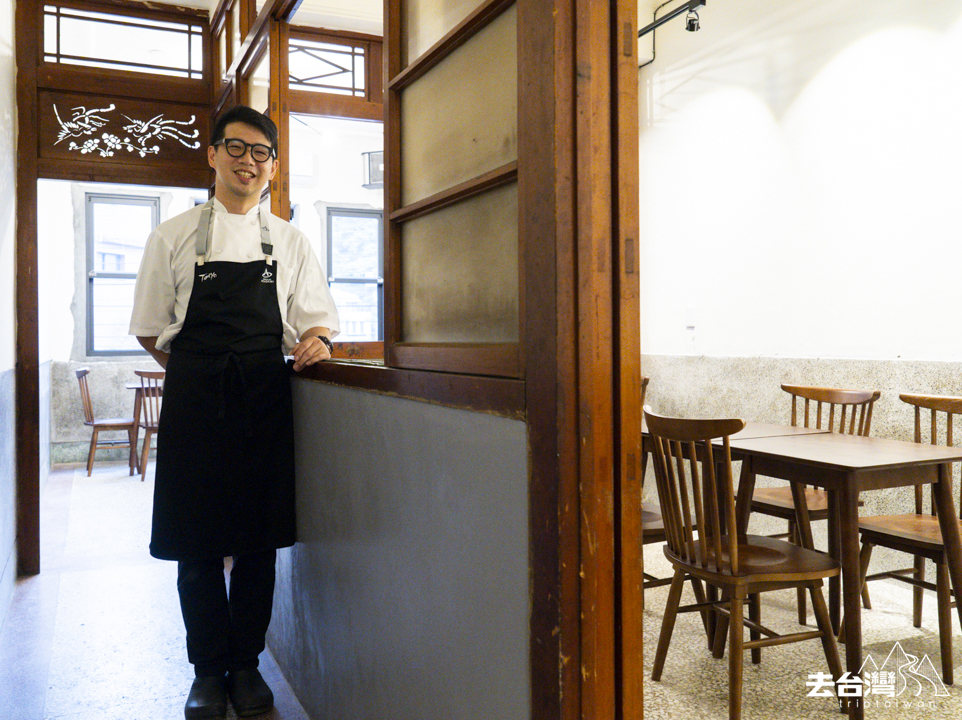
{"x": 695, "y": 487}
{"x": 99, "y": 425}
{"x": 918, "y": 533}
{"x": 841, "y": 411}
{"x": 653, "y": 531}
{"x": 652, "y": 526}
{"x": 152, "y": 388}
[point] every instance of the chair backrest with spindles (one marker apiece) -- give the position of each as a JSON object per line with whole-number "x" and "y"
{"x": 151, "y": 383}
{"x": 937, "y": 425}
{"x": 695, "y": 488}
{"x": 85, "y": 396}
{"x": 840, "y": 411}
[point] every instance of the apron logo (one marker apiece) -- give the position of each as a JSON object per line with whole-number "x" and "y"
{"x": 208, "y": 276}
{"x": 267, "y": 277}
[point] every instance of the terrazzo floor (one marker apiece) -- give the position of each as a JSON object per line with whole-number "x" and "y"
{"x": 97, "y": 635}
{"x": 694, "y": 685}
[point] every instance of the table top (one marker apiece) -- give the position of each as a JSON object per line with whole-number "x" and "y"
{"x": 846, "y": 452}
{"x": 754, "y": 429}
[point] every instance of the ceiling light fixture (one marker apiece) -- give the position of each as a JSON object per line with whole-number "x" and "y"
{"x": 692, "y": 22}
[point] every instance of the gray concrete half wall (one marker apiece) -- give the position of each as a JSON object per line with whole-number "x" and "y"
{"x": 407, "y": 593}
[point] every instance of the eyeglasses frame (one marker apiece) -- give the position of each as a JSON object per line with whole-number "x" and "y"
{"x": 248, "y": 148}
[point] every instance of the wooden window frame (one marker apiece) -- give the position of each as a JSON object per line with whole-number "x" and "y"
{"x": 495, "y": 359}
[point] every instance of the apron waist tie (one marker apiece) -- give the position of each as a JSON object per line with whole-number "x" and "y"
{"x": 229, "y": 367}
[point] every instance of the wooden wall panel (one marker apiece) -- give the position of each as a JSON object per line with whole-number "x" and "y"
{"x": 96, "y": 129}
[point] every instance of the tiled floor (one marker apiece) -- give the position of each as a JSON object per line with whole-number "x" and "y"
{"x": 98, "y": 634}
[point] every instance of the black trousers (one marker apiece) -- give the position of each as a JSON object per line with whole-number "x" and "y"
{"x": 226, "y": 629}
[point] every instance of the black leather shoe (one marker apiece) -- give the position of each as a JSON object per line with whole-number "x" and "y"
{"x": 248, "y": 692}
{"x": 207, "y": 699}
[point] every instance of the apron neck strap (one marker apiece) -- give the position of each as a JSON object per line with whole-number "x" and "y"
{"x": 205, "y": 227}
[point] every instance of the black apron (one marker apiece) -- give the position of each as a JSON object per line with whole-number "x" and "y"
{"x": 225, "y": 450}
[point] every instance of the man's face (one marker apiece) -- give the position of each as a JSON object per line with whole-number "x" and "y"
{"x": 242, "y": 177}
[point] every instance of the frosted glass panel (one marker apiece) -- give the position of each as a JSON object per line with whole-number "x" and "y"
{"x": 460, "y": 271}
{"x": 427, "y": 21}
{"x": 461, "y": 119}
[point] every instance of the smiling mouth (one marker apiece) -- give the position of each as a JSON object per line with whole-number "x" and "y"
{"x": 245, "y": 174}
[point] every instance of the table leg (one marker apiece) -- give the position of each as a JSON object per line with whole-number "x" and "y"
{"x": 847, "y": 501}
{"x": 951, "y": 538}
{"x": 834, "y": 535}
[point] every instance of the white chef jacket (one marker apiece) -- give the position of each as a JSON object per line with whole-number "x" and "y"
{"x": 166, "y": 275}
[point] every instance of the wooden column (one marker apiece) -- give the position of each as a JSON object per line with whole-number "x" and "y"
{"x": 627, "y": 344}
{"x": 278, "y": 112}
{"x": 28, "y": 368}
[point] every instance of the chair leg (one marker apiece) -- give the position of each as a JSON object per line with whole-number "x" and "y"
{"x": 721, "y": 630}
{"x": 917, "y": 592}
{"x": 707, "y": 616}
{"x": 132, "y": 458}
{"x": 755, "y": 614}
{"x": 944, "y": 593}
{"x": 820, "y": 609}
{"x": 92, "y": 451}
{"x": 668, "y": 624}
{"x": 794, "y": 536}
{"x": 145, "y": 454}
{"x": 736, "y": 657}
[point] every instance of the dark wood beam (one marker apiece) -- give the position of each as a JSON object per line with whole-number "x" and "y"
{"x": 27, "y": 374}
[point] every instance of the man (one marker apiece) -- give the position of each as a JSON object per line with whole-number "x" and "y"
{"x": 223, "y": 290}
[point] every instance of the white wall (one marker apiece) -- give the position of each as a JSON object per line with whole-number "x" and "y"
{"x": 8, "y": 205}
{"x": 8, "y": 182}
{"x": 61, "y": 240}
{"x": 800, "y": 180}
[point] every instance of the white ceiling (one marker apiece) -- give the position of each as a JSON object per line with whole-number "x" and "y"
{"x": 357, "y": 15}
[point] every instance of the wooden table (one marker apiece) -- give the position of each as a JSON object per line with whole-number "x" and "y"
{"x": 845, "y": 465}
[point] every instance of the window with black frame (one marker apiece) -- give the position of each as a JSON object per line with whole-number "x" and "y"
{"x": 355, "y": 268}
{"x": 117, "y": 229}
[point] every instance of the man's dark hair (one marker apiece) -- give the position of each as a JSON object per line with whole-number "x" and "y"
{"x": 248, "y": 116}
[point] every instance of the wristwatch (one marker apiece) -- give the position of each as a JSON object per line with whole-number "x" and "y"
{"x": 327, "y": 341}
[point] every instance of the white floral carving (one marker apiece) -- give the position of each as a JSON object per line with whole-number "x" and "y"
{"x": 84, "y": 122}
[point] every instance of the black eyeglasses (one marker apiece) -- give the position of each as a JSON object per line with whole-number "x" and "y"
{"x": 236, "y": 148}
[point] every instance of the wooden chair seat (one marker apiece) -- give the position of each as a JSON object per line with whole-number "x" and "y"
{"x": 763, "y": 559}
{"x": 896, "y": 531}
{"x": 778, "y": 502}
{"x": 652, "y": 524}
{"x": 119, "y": 423}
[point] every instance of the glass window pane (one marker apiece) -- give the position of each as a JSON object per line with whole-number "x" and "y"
{"x": 355, "y": 247}
{"x": 427, "y": 21}
{"x": 112, "y": 299}
{"x": 459, "y": 271}
{"x": 460, "y": 120}
{"x": 358, "y": 309}
{"x": 119, "y": 234}
{"x": 129, "y": 43}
